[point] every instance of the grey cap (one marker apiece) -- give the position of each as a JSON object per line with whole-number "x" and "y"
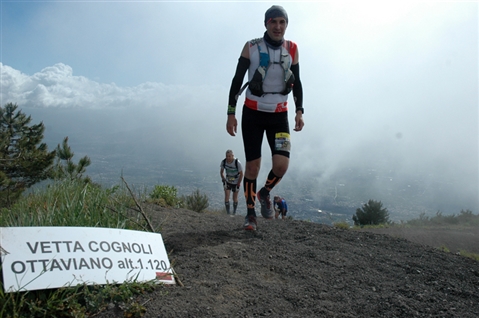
{"x": 275, "y": 12}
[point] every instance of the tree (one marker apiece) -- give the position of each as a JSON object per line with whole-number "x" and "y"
{"x": 196, "y": 201}
{"x": 65, "y": 168}
{"x": 372, "y": 213}
{"x": 24, "y": 159}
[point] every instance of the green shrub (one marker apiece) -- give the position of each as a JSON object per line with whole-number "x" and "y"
{"x": 474, "y": 256}
{"x": 422, "y": 220}
{"x": 372, "y": 213}
{"x": 341, "y": 225}
{"x": 441, "y": 219}
{"x": 465, "y": 217}
{"x": 166, "y": 195}
{"x": 444, "y": 248}
{"x": 196, "y": 201}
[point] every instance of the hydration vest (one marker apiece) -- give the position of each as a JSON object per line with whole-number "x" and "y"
{"x": 236, "y": 163}
{"x": 231, "y": 178}
{"x": 256, "y": 83}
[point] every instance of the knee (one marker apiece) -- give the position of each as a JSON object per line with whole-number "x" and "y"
{"x": 252, "y": 170}
{"x": 280, "y": 165}
{"x": 280, "y": 170}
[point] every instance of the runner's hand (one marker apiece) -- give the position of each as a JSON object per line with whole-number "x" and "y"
{"x": 299, "y": 123}
{"x": 231, "y": 125}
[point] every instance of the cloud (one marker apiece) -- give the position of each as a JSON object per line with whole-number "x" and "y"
{"x": 177, "y": 120}
{"x": 56, "y": 86}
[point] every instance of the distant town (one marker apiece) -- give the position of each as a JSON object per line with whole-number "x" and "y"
{"x": 333, "y": 201}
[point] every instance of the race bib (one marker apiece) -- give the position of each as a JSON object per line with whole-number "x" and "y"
{"x": 282, "y": 142}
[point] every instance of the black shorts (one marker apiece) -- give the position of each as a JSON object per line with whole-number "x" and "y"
{"x": 230, "y": 186}
{"x": 253, "y": 126}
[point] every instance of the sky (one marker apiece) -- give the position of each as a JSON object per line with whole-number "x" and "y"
{"x": 386, "y": 83}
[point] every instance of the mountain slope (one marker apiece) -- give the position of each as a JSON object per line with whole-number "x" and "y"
{"x": 302, "y": 269}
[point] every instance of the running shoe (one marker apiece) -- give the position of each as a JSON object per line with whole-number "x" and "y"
{"x": 250, "y": 223}
{"x": 266, "y": 206}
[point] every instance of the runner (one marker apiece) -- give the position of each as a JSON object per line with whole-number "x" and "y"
{"x": 273, "y": 72}
{"x": 231, "y": 173}
{"x": 280, "y": 207}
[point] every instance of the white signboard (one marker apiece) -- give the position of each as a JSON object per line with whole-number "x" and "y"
{"x": 52, "y": 257}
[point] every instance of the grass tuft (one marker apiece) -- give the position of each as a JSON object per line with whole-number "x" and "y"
{"x": 341, "y": 225}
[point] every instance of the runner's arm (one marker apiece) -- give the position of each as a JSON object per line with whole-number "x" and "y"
{"x": 240, "y": 178}
{"x": 298, "y": 98}
{"x": 241, "y": 68}
{"x": 223, "y": 179}
{"x": 297, "y": 88}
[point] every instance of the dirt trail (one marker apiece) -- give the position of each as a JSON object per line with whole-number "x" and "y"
{"x": 302, "y": 269}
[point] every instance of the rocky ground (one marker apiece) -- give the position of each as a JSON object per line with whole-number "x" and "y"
{"x": 301, "y": 269}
